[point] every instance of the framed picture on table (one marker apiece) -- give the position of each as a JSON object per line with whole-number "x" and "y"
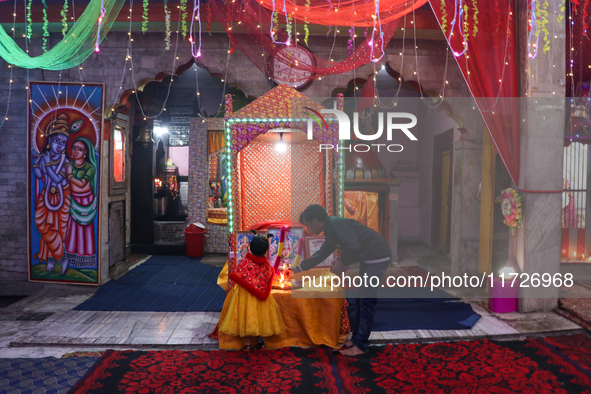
{"x": 290, "y": 245}
{"x": 312, "y": 245}
{"x": 243, "y": 239}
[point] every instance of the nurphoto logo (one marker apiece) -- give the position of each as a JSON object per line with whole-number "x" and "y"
{"x": 394, "y": 121}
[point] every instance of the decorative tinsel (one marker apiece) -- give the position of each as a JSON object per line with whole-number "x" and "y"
{"x": 443, "y": 17}
{"x": 466, "y": 23}
{"x": 585, "y": 18}
{"x": 542, "y": 15}
{"x": 475, "y": 18}
{"x": 167, "y": 25}
{"x": 351, "y": 42}
{"x": 184, "y": 14}
{"x": 64, "y": 14}
{"x": 29, "y": 20}
{"x": 561, "y": 13}
{"x": 306, "y": 30}
{"x": 45, "y": 26}
{"x": 275, "y": 22}
{"x": 208, "y": 18}
{"x": 145, "y": 17}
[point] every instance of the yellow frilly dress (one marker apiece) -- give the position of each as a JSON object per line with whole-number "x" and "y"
{"x": 252, "y": 311}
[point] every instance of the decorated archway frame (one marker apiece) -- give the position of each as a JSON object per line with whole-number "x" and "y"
{"x": 240, "y": 130}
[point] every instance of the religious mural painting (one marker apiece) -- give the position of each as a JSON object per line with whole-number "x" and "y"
{"x": 64, "y": 139}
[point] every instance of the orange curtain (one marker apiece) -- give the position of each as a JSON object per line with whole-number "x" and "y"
{"x": 278, "y": 186}
{"x": 215, "y": 141}
{"x": 363, "y": 207}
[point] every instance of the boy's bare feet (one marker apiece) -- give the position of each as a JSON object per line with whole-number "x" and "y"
{"x": 349, "y": 343}
{"x": 352, "y": 352}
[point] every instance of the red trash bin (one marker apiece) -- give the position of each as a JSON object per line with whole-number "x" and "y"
{"x": 195, "y": 240}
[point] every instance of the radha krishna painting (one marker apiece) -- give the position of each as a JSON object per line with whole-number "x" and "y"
{"x": 65, "y": 132}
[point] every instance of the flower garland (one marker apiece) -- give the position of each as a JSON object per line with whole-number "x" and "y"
{"x": 351, "y": 41}
{"x": 208, "y": 18}
{"x": 511, "y": 207}
{"x": 145, "y": 17}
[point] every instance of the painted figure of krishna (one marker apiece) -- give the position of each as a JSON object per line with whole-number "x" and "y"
{"x": 65, "y": 132}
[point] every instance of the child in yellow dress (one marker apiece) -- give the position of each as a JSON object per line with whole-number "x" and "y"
{"x": 252, "y": 312}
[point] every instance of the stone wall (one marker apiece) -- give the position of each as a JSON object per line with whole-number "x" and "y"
{"x": 149, "y": 59}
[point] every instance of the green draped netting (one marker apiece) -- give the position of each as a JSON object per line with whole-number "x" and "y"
{"x": 74, "y": 48}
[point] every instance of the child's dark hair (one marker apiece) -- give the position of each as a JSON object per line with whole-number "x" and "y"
{"x": 312, "y": 212}
{"x": 259, "y": 246}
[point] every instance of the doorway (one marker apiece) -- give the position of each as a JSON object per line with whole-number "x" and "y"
{"x": 442, "y": 181}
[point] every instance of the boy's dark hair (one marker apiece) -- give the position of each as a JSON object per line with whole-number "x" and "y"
{"x": 259, "y": 246}
{"x": 312, "y": 212}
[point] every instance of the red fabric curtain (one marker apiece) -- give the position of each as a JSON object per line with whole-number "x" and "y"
{"x": 343, "y": 13}
{"x": 248, "y": 25}
{"x": 489, "y": 66}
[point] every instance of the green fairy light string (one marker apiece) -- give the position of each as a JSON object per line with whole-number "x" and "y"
{"x": 29, "y": 20}
{"x": 184, "y": 13}
{"x": 475, "y": 17}
{"x": 443, "y": 17}
{"x": 45, "y": 26}
{"x": 64, "y": 14}
{"x": 167, "y": 24}
{"x": 145, "y": 17}
{"x": 73, "y": 49}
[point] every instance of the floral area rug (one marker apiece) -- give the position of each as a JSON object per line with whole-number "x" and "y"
{"x": 530, "y": 366}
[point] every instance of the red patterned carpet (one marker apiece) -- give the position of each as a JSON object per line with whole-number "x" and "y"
{"x": 477, "y": 367}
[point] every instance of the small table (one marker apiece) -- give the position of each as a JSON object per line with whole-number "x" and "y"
{"x": 310, "y": 321}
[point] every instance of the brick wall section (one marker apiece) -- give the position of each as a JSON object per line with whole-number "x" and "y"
{"x": 150, "y": 58}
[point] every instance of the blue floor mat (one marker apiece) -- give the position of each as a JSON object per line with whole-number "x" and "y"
{"x": 418, "y": 314}
{"x": 162, "y": 284}
{"x": 48, "y": 375}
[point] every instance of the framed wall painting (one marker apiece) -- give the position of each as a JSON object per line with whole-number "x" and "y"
{"x": 290, "y": 245}
{"x": 65, "y": 127}
{"x": 312, "y": 245}
{"x": 243, "y": 239}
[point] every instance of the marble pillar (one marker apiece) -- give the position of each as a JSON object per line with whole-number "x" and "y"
{"x": 535, "y": 248}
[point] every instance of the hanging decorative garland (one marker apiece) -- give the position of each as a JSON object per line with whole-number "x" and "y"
{"x": 543, "y": 21}
{"x": 145, "y": 17}
{"x": 475, "y": 17}
{"x": 45, "y": 26}
{"x": 306, "y": 22}
{"x": 511, "y": 207}
{"x": 29, "y": 20}
{"x": 443, "y": 17}
{"x": 208, "y": 19}
{"x": 167, "y": 25}
{"x": 184, "y": 28}
{"x": 351, "y": 42}
{"x": 64, "y": 14}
